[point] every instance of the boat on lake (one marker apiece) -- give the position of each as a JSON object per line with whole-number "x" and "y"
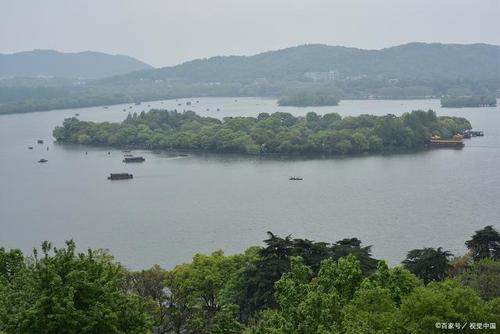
{"x": 472, "y": 133}
{"x": 455, "y": 142}
{"x": 133, "y": 159}
{"x": 30, "y": 147}
{"x": 295, "y": 178}
{"x": 39, "y": 141}
{"x": 120, "y": 176}
{"x": 43, "y": 160}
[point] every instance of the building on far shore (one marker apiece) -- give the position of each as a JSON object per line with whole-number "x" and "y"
{"x": 320, "y": 76}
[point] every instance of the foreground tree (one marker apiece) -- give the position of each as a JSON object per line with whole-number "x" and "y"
{"x": 65, "y": 292}
{"x": 256, "y": 284}
{"x": 484, "y": 277}
{"x": 485, "y": 243}
{"x": 150, "y": 285}
{"x": 428, "y": 264}
{"x": 447, "y": 302}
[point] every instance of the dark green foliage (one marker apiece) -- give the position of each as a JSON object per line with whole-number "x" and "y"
{"x": 257, "y": 279}
{"x": 428, "y": 264}
{"x": 485, "y": 243}
{"x": 11, "y": 262}
{"x": 279, "y": 132}
{"x": 468, "y": 101}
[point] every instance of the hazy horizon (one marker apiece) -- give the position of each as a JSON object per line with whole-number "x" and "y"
{"x": 256, "y": 53}
{"x": 168, "y": 33}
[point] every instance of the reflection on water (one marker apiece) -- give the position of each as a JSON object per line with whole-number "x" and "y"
{"x": 177, "y": 206}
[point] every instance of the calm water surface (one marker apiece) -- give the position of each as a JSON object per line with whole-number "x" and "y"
{"x": 175, "y": 207}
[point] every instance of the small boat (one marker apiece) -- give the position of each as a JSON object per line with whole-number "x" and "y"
{"x": 105, "y": 107}
{"x": 295, "y": 178}
{"x": 77, "y": 114}
{"x": 455, "y": 142}
{"x": 30, "y": 147}
{"x": 133, "y": 159}
{"x": 39, "y": 141}
{"x": 218, "y": 109}
{"x": 188, "y": 103}
{"x": 128, "y": 155}
{"x": 120, "y": 176}
{"x": 43, "y": 160}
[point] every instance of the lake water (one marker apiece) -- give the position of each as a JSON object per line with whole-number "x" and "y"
{"x": 175, "y": 207}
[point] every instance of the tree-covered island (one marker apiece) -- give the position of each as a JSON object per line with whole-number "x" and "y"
{"x": 468, "y": 101}
{"x": 279, "y": 132}
{"x": 306, "y": 98}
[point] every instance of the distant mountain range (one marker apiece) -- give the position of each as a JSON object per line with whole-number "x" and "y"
{"x": 413, "y": 61}
{"x": 50, "y": 63}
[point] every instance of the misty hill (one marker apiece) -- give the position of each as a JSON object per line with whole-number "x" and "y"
{"x": 76, "y": 65}
{"x": 414, "y": 61}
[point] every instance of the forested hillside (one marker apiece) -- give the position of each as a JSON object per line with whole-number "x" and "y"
{"x": 414, "y": 61}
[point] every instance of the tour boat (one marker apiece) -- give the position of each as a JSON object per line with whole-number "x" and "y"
{"x": 133, "y": 159}
{"x": 120, "y": 176}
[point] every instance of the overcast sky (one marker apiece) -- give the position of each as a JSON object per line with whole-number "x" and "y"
{"x": 167, "y": 32}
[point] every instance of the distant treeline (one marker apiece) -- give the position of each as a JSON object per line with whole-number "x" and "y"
{"x": 286, "y": 286}
{"x": 468, "y": 101}
{"x": 279, "y": 132}
{"x": 309, "y": 99}
{"x": 31, "y": 95}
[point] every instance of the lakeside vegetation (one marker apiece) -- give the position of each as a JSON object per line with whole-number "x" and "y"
{"x": 468, "y": 101}
{"x": 288, "y": 286}
{"x": 279, "y": 132}
{"x": 309, "y": 99}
